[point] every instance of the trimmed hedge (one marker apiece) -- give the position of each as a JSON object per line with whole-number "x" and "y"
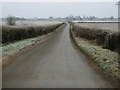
{"x": 106, "y": 38}
{"x": 12, "y": 34}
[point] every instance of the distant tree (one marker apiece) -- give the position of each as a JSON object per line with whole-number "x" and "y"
{"x": 84, "y": 17}
{"x": 78, "y": 17}
{"x": 18, "y": 18}
{"x": 71, "y": 17}
{"x": 11, "y": 20}
{"x": 51, "y": 17}
{"x": 35, "y": 18}
{"x": 91, "y": 18}
{"x": 111, "y": 18}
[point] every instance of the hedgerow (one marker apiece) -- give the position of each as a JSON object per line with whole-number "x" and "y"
{"x": 12, "y": 33}
{"x": 105, "y": 38}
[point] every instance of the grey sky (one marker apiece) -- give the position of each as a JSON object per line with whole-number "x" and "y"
{"x": 42, "y": 9}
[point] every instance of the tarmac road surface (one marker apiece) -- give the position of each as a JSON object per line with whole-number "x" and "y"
{"x": 56, "y": 63}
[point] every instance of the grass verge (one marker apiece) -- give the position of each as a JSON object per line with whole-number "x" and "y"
{"x": 15, "y": 47}
{"x": 12, "y": 49}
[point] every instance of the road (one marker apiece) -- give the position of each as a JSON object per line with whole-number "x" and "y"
{"x": 55, "y": 63}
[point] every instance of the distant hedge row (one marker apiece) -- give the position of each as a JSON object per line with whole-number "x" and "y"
{"x": 106, "y": 38}
{"x": 12, "y": 34}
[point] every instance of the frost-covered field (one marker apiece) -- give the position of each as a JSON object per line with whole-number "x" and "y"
{"x": 110, "y": 26}
{"x": 33, "y": 23}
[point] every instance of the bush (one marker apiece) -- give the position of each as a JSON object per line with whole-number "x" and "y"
{"x": 12, "y": 34}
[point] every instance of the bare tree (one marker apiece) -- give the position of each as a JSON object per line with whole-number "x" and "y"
{"x": 11, "y": 20}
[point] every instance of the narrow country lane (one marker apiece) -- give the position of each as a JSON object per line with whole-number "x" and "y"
{"x": 56, "y": 63}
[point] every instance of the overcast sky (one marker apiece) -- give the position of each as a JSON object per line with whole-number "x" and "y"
{"x": 57, "y": 9}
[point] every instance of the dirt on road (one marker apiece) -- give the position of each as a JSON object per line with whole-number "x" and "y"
{"x": 56, "y": 63}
